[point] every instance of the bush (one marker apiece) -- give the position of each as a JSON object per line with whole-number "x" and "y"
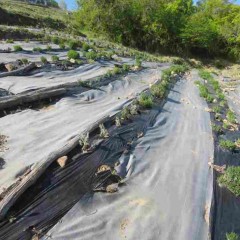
{"x": 227, "y": 144}
{"x": 43, "y": 60}
{"x": 17, "y": 48}
{"x": 91, "y": 55}
{"x": 73, "y": 44}
{"x": 145, "y": 101}
{"x": 231, "y": 180}
{"x": 55, "y": 58}
{"x": 72, "y": 54}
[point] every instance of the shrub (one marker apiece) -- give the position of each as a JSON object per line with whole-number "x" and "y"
{"x": 72, "y": 54}
{"x": 55, "y": 58}
{"x": 91, "y": 55}
{"x": 17, "y": 48}
{"x": 43, "y": 60}
{"x": 9, "y": 41}
{"x": 73, "y": 44}
{"x": 231, "y": 180}
{"x": 145, "y": 101}
{"x": 231, "y": 116}
{"x": 227, "y": 144}
{"x": 85, "y": 47}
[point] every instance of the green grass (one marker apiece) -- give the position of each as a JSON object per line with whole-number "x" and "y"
{"x": 73, "y": 44}
{"x": 232, "y": 236}
{"x": 231, "y": 117}
{"x": 55, "y": 58}
{"x": 231, "y": 180}
{"x": 43, "y": 60}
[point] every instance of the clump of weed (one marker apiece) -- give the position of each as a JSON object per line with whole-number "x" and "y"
{"x": 126, "y": 67}
{"x": 138, "y": 62}
{"x": 216, "y": 109}
{"x": 133, "y": 109}
{"x": 72, "y": 54}
{"x": 217, "y": 129}
{"x": 103, "y": 131}
{"x": 228, "y": 145}
{"x": 44, "y": 60}
{"x": 231, "y": 180}
{"x": 145, "y": 100}
{"x": 62, "y": 46}
{"x": 17, "y": 48}
{"x": 159, "y": 90}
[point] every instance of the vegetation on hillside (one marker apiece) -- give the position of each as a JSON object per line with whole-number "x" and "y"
{"x": 210, "y": 28}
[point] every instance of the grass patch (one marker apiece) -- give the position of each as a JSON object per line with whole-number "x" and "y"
{"x": 232, "y": 236}
{"x": 55, "y": 58}
{"x": 73, "y": 44}
{"x": 231, "y": 117}
{"x": 231, "y": 180}
{"x": 44, "y": 60}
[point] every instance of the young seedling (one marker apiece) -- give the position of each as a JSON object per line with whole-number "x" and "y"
{"x": 103, "y": 131}
{"x": 84, "y": 142}
{"x": 44, "y": 60}
{"x": 232, "y": 236}
{"x": 133, "y": 109}
{"x": 227, "y": 144}
{"x": 125, "y": 113}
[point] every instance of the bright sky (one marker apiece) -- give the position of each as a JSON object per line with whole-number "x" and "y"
{"x": 72, "y": 4}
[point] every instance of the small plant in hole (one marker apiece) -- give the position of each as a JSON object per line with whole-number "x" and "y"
{"x": 91, "y": 55}
{"x": 62, "y": 46}
{"x": 73, "y": 44}
{"x": 125, "y": 113}
{"x": 9, "y": 41}
{"x": 72, "y": 54}
{"x": 217, "y": 129}
{"x": 55, "y": 58}
{"x": 232, "y": 236}
{"x": 44, "y": 60}
{"x": 231, "y": 180}
{"x": 37, "y": 49}
{"x": 227, "y": 144}
{"x": 138, "y": 62}
{"x": 84, "y": 142}
{"x": 17, "y": 48}
{"x": 49, "y": 48}
{"x": 145, "y": 100}
{"x": 55, "y": 40}
{"x": 118, "y": 122}
{"x": 231, "y": 117}
{"x": 103, "y": 131}
{"x": 126, "y": 67}
{"x": 85, "y": 47}
{"x": 216, "y": 109}
{"x": 133, "y": 109}
{"x": 24, "y": 61}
